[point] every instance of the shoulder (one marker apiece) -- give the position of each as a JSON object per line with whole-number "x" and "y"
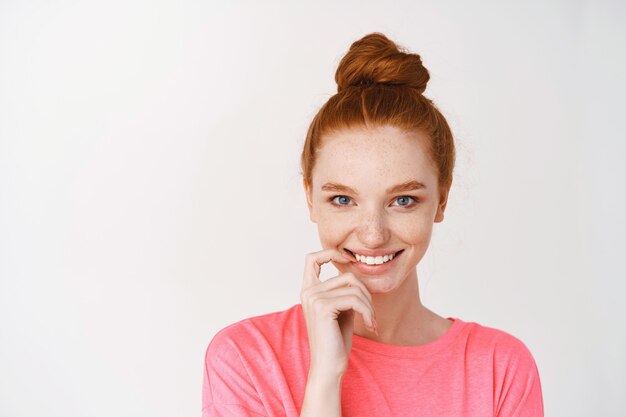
{"x": 260, "y": 330}
{"x": 237, "y": 362}
{"x": 513, "y": 370}
{"x": 499, "y": 353}
{"x": 509, "y": 366}
{"x": 500, "y": 344}
{"x": 515, "y": 378}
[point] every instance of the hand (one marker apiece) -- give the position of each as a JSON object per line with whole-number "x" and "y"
{"x": 329, "y": 308}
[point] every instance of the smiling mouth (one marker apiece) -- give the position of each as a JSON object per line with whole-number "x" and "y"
{"x": 372, "y": 260}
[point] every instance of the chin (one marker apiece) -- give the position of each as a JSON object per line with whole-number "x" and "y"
{"x": 378, "y": 284}
{"x": 380, "y": 287}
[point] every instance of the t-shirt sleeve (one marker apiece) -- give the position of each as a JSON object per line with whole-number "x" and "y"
{"x": 227, "y": 389}
{"x": 518, "y": 387}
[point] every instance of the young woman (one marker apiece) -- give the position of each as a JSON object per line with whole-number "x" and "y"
{"x": 377, "y": 168}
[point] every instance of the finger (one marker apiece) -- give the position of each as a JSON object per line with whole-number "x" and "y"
{"x": 313, "y": 264}
{"x": 343, "y": 280}
{"x": 352, "y": 291}
{"x": 347, "y": 302}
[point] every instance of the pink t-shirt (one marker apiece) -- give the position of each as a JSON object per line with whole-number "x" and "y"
{"x": 259, "y": 367}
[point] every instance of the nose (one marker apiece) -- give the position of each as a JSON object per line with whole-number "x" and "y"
{"x": 373, "y": 230}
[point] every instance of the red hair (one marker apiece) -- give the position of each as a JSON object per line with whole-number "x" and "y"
{"x": 379, "y": 84}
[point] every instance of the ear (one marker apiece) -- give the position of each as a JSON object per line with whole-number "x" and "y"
{"x": 441, "y": 206}
{"x": 309, "y": 201}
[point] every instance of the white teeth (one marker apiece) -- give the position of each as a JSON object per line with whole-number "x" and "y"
{"x": 373, "y": 260}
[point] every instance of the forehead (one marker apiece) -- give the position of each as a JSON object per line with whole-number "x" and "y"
{"x": 374, "y": 156}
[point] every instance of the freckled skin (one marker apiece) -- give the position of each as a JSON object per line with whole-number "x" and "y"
{"x": 371, "y": 161}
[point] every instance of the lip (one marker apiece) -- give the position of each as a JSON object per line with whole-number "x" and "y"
{"x": 369, "y": 252}
{"x": 376, "y": 269}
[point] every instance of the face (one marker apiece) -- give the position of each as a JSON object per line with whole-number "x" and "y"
{"x": 374, "y": 193}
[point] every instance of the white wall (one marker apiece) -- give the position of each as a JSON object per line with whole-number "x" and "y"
{"x": 150, "y": 189}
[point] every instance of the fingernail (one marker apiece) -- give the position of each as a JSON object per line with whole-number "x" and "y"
{"x": 345, "y": 255}
{"x": 375, "y": 327}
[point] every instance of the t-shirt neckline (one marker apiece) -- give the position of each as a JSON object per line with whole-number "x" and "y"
{"x": 364, "y": 344}
{"x": 412, "y": 351}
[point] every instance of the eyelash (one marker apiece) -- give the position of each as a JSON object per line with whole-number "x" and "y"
{"x": 331, "y": 199}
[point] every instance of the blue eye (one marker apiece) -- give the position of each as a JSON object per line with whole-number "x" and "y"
{"x": 405, "y": 197}
{"x": 342, "y": 200}
{"x": 343, "y": 197}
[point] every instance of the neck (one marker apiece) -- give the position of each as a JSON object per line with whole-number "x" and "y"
{"x": 401, "y": 317}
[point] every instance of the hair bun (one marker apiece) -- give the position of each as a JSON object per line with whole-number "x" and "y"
{"x": 374, "y": 59}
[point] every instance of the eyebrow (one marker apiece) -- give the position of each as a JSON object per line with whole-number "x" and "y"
{"x": 405, "y": 186}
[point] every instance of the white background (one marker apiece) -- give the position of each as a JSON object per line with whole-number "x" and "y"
{"x": 150, "y": 189}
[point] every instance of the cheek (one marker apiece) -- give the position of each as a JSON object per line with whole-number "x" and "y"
{"x": 334, "y": 228}
{"x": 416, "y": 232}
{"x": 331, "y": 230}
